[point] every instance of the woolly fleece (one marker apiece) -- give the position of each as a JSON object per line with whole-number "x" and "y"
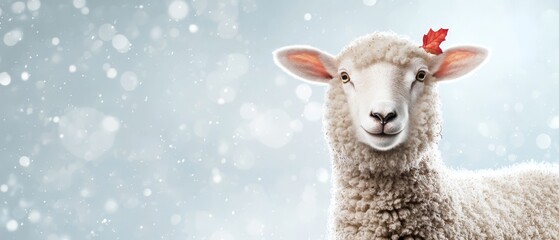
{"x": 407, "y": 192}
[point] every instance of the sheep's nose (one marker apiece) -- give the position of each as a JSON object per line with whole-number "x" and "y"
{"x": 384, "y": 118}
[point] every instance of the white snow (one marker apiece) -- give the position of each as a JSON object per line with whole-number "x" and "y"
{"x": 554, "y": 122}
{"x": 369, "y": 2}
{"x": 227, "y": 94}
{"x": 248, "y": 110}
{"x": 307, "y": 16}
{"x": 272, "y": 128}
{"x": 12, "y": 225}
{"x": 111, "y": 205}
{"x": 121, "y": 43}
{"x": 85, "y": 193}
{"x": 3, "y": 188}
{"x": 33, "y": 5}
{"x": 82, "y": 133}
{"x": 147, "y": 192}
{"x": 5, "y": 79}
{"x": 18, "y": 7}
{"x": 34, "y": 216}
{"x": 84, "y": 10}
{"x": 543, "y": 141}
{"x": 25, "y": 76}
{"x": 193, "y": 28}
{"x": 216, "y": 175}
{"x": 129, "y": 81}
{"x": 178, "y": 10}
{"x": 313, "y": 111}
{"x": 72, "y": 68}
{"x": 156, "y": 33}
{"x": 111, "y": 73}
{"x": 111, "y": 124}
{"x": 106, "y": 32}
{"x": 79, "y": 3}
{"x": 322, "y": 175}
{"x": 237, "y": 64}
{"x": 296, "y": 125}
{"x": 96, "y": 45}
{"x": 227, "y": 29}
{"x": 13, "y": 37}
{"x": 55, "y": 41}
{"x": 243, "y": 159}
{"x": 303, "y": 92}
{"x": 24, "y": 161}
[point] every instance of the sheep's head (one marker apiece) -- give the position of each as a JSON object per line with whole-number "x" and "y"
{"x": 382, "y": 76}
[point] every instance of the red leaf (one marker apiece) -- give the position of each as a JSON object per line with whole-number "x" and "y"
{"x": 432, "y": 40}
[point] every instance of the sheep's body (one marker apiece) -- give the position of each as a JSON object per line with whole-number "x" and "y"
{"x": 383, "y": 124}
{"x": 407, "y": 193}
{"x": 515, "y": 203}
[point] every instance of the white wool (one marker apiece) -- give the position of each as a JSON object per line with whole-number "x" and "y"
{"x": 408, "y": 193}
{"x": 382, "y": 46}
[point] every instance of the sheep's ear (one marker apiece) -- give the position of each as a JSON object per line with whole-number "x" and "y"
{"x": 306, "y": 63}
{"x": 458, "y": 61}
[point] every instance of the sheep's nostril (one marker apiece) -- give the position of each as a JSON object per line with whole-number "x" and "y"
{"x": 390, "y": 116}
{"x": 378, "y": 116}
{"x": 384, "y": 119}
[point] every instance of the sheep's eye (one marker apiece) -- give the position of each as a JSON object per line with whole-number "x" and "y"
{"x": 420, "y": 76}
{"x": 345, "y": 77}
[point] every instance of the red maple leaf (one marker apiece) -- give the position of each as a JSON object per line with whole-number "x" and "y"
{"x": 432, "y": 40}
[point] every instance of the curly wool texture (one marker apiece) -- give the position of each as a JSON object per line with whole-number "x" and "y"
{"x": 408, "y": 193}
{"x": 382, "y": 46}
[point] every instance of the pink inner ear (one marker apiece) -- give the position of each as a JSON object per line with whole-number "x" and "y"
{"x": 310, "y": 62}
{"x": 453, "y": 62}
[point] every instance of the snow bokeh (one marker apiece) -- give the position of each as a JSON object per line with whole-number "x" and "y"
{"x": 178, "y": 10}
{"x": 13, "y": 37}
{"x": 86, "y": 132}
{"x": 169, "y": 120}
{"x": 5, "y": 79}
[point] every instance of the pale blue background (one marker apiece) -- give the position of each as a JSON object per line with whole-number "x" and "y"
{"x": 215, "y": 142}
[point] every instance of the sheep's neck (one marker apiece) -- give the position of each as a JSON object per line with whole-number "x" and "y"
{"x": 369, "y": 205}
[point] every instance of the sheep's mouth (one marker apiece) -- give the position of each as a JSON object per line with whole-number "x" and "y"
{"x": 383, "y": 141}
{"x": 382, "y": 134}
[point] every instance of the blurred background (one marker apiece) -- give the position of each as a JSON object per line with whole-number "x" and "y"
{"x": 168, "y": 119}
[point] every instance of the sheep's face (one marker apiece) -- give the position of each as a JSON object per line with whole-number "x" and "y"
{"x": 382, "y": 77}
{"x": 380, "y": 97}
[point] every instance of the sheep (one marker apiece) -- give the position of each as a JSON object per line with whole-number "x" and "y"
{"x": 382, "y": 123}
